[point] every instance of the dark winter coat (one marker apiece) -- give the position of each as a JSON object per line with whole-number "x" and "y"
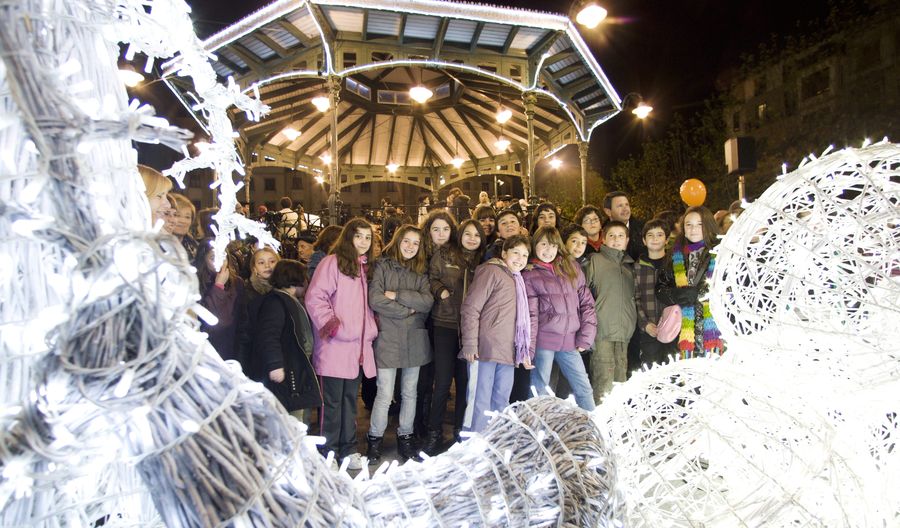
{"x": 402, "y": 337}
{"x": 284, "y": 339}
{"x": 450, "y": 274}
{"x": 562, "y": 314}
{"x": 229, "y": 306}
{"x": 488, "y": 314}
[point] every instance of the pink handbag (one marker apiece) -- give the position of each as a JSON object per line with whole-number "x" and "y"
{"x": 669, "y": 325}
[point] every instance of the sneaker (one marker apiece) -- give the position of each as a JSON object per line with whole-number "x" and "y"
{"x": 355, "y": 463}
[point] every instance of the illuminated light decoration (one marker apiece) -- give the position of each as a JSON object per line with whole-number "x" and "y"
{"x": 130, "y": 77}
{"x": 320, "y": 180}
{"x": 457, "y": 162}
{"x": 420, "y": 94}
{"x": 326, "y": 158}
{"x": 642, "y": 110}
{"x": 392, "y": 167}
{"x": 591, "y": 16}
{"x": 291, "y": 133}
{"x": 795, "y": 425}
{"x": 504, "y": 115}
{"x": 321, "y": 103}
{"x": 502, "y": 144}
{"x": 555, "y": 163}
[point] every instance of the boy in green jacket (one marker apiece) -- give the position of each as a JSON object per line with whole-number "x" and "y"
{"x": 610, "y": 276}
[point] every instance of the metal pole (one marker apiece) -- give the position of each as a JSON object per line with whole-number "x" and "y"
{"x": 741, "y": 189}
{"x": 530, "y": 100}
{"x": 583, "y": 158}
{"x": 334, "y": 92}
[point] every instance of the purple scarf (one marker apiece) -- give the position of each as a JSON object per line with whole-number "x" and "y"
{"x": 523, "y": 321}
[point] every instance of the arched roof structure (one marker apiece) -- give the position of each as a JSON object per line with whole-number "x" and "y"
{"x": 365, "y": 55}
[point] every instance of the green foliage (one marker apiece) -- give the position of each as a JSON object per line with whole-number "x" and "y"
{"x": 692, "y": 148}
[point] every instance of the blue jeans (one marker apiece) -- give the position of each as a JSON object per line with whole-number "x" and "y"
{"x": 489, "y": 387}
{"x": 571, "y": 366}
{"x": 408, "y": 383}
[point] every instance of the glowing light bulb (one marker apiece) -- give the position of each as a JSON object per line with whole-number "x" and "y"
{"x": 321, "y": 103}
{"x": 591, "y": 16}
{"x": 420, "y": 94}
{"x": 326, "y": 158}
{"x": 392, "y": 167}
{"x": 642, "y": 110}
{"x": 457, "y": 162}
{"x": 130, "y": 78}
{"x": 555, "y": 163}
{"x": 291, "y": 133}
{"x": 320, "y": 180}
{"x": 504, "y": 115}
{"x": 502, "y": 143}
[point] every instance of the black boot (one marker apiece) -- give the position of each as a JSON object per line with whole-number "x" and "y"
{"x": 433, "y": 442}
{"x": 456, "y": 436}
{"x": 406, "y": 448}
{"x": 373, "y": 453}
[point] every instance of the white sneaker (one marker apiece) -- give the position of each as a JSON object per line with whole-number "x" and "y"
{"x": 355, "y": 463}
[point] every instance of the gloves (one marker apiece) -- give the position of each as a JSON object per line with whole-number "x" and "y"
{"x": 686, "y": 295}
{"x": 330, "y": 328}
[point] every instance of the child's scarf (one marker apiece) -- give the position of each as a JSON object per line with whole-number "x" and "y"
{"x": 523, "y": 321}
{"x": 711, "y": 340}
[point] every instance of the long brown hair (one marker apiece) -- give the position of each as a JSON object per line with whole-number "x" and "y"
{"x": 563, "y": 264}
{"x": 437, "y": 214}
{"x": 343, "y": 249}
{"x": 416, "y": 264}
{"x": 710, "y": 227}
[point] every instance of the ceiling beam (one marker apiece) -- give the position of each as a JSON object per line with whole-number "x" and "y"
{"x": 488, "y": 126}
{"x": 295, "y": 31}
{"x": 347, "y": 150}
{"x": 574, "y": 87}
{"x": 250, "y": 58}
{"x": 231, "y": 65}
{"x": 402, "y": 29}
{"x": 509, "y": 40}
{"x": 452, "y": 130}
{"x": 365, "y": 25}
{"x": 325, "y": 130}
{"x": 391, "y": 138}
{"x": 271, "y": 44}
{"x": 438, "y": 137}
{"x": 475, "y": 36}
{"x": 439, "y": 38}
{"x": 567, "y": 70}
{"x": 412, "y": 133}
{"x": 545, "y": 43}
{"x": 323, "y": 22}
{"x": 561, "y": 56}
{"x": 473, "y": 132}
{"x": 372, "y": 141}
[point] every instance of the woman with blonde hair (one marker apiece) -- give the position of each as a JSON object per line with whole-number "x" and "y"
{"x": 156, "y": 186}
{"x": 182, "y": 219}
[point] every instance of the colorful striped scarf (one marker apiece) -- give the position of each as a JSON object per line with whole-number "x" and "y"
{"x": 710, "y": 341}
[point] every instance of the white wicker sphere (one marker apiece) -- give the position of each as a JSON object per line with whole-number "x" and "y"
{"x": 813, "y": 265}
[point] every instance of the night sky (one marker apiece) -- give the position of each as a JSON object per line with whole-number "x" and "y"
{"x": 671, "y": 52}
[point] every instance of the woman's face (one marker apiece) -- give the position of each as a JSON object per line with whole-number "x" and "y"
{"x": 591, "y": 224}
{"x": 693, "y": 227}
{"x": 576, "y": 244}
{"x": 409, "y": 245}
{"x": 545, "y": 250}
{"x": 210, "y": 262}
{"x": 440, "y": 232}
{"x": 182, "y": 220}
{"x": 546, "y": 218}
{"x": 470, "y": 238}
{"x": 169, "y": 218}
{"x": 507, "y": 226}
{"x": 516, "y": 258}
{"x": 487, "y": 225}
{"x": 264, "y": 264}
{"x": 362, "y": 240}
{"x": 158, "y": 204}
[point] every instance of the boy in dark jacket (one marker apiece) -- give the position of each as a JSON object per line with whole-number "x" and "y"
{"x": 648, "y": 307}
{"x": 610, "y": 275}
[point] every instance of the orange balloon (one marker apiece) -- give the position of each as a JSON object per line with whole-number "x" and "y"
{"x": 693, "y": 192}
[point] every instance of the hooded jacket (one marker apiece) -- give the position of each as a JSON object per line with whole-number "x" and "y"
{"x": 488, "y": 314}
{"x": 331, "y": 294}
{"x": 402, "y": 340}
{"x": 562, "y": 314}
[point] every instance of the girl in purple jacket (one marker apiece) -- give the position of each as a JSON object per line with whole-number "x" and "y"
{"x": 344, "y": 327}
{"x": 561, "y": 309}
{"x": 495, "y": 331}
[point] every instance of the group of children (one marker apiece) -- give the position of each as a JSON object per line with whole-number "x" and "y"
{"x": 434, "y": 303}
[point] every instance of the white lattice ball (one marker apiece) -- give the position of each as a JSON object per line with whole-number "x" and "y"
{"x": 707, "y": 442}
{"x": 813, "y": 265}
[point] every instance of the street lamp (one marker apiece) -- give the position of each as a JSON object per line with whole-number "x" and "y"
{"x": 641, "y": 109}
{"x": 589, "y": 14}
{"x": 420, "y": 94}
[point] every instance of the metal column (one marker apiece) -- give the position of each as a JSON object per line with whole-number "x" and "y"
{"x": 334, "y": 93}
{"x": 530, "y": 100}
{"x": 583, "y": 158}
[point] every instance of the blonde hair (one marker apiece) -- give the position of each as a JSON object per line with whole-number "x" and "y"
{"x": 154, "y": 182}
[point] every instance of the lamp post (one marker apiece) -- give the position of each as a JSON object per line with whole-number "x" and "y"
{"x": 641, "y": 109}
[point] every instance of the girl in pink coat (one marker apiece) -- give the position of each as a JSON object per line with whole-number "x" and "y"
{"x": 344, "y": 328}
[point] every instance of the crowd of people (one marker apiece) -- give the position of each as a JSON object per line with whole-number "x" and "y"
{"x": 500, "y": 304}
